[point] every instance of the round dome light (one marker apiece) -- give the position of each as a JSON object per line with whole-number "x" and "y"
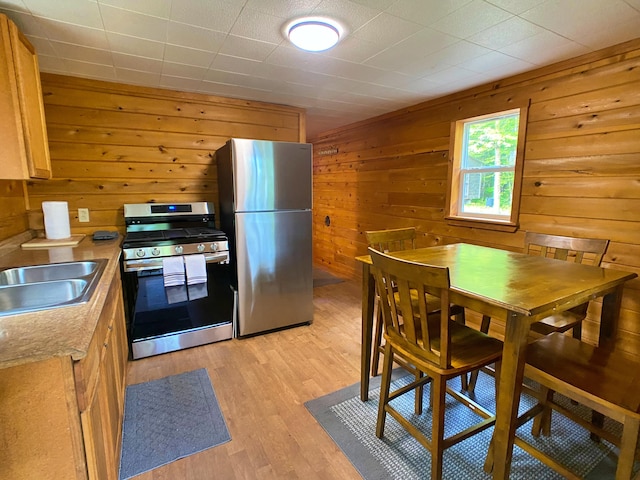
{"x": 313, "y": 34}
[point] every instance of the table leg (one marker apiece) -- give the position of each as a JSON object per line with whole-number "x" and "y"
{"x": 611, "y": 304}
{"x": 368, "y": 299}
{"x": 511, "y": 375}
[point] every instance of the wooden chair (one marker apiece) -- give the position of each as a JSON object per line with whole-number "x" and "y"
{"x": 437, "y": 347}
{"x": 586, "y": 251}
{"x": 605, "y": 380}
{"x": 392, "y": 240}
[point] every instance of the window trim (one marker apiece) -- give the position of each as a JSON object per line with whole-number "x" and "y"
{"x": 452, "y": 215}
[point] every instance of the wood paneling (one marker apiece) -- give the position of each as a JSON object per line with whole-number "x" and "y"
{"x": 13, "y": 209}
{"x": 113, "y": 144}
{"x": 581, "y": 170}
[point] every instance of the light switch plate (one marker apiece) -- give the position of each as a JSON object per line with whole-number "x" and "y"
{"x": 83, "y": 214}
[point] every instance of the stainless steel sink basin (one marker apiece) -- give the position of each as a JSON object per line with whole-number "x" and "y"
{"x": 39, "y": 287}
{"x": 47, "y": 273}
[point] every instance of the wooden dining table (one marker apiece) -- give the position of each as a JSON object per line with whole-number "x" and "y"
{"x": 516, "y": 289}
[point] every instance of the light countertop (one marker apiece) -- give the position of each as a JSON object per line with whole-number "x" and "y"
{"x": 64, "y": 331}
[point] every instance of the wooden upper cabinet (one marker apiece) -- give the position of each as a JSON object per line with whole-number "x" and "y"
{"x": 24, "y": 149}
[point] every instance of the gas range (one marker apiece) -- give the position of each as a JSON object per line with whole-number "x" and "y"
{"x": 162, "y": 230}
{"x": 164, "y": 318}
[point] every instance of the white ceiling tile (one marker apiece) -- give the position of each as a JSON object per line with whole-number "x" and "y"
{"x": 157, "y": 8}
{"x": 52, "y": 64}
{"x": 350, "y": 14}
{"x": 516, "y": 6}
{"x": 288, "y": 9}
{"x": 586, "y": 16}
{"x": 386, "y": 30}
{"x": 634, "y": 3}
{"x": 194, "y": 37}
{"x": 425, "y": 12}
{"x": 352, "y": 49}
{"x": 259, "y": 26}
{"x": 188, "y": 56}
{"x": 179, "y": 83}
{"x": 610, "y": 36}
{"x": 544, "y": 48}
{"x": 229, "y": 63}
{"x": 510, "y": 31}
{"x": 182, "y": 70}
{"x": 135, "y": 46}
{"x": 484, "y": 15}
{"x": 90, "y": 70}
{"x": 80, "y": 12}
{"x": 83, "y": 54}
{"x": 42, "y": 45}
{"x": 13, "y": 5}
{"x": 492, "y": 61}
{"x": 89, "y": 37}
{"x": 246, "y": 48}
{"x": 136, "y": 77}
{"x": 212, "y": 14}
{"x": 229, "y": 90}
{"x": 133, "y": 62}
{"x": 27, "y": 23}
{"x": 134, "y": 24}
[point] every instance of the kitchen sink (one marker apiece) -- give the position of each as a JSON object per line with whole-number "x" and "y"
{"x": 47, "y": 273}
{"x": 39, "y": 287}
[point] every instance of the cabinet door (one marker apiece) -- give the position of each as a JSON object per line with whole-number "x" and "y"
{"x": 23, "y": 134}
{"x": 31, "y": 104}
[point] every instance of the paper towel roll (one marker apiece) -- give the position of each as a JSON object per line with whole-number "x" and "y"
{"x": 56, "y": 220}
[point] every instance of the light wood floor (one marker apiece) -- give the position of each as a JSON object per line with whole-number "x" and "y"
{"x": 261, "y": 384}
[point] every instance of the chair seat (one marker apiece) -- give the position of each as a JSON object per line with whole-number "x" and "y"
{"x": 607, "y": 376}
{"x": 469, "y": 348}
{"x": 560, "y": 322}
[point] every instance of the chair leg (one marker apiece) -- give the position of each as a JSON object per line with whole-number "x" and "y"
{"x": 542, "y": 421}
{"x": 437, "y": 430}
{"x": 385, "y": 385}
{"x": 628, "y": 446}
{"x": 459, "y": 317}
{"x": 419, "y": 391}
{"x": 473, "y": 376}
{"x": 597, "y": 419}
{"x": 377, "y": 341}
{"x": 577, "y": 331}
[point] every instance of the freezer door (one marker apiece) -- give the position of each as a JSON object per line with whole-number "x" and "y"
{"x": 271, "y": 175}
{"x": 275, "y": 286}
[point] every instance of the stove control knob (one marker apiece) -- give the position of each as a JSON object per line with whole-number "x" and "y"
{"x": 140, "y": 253}
{"x": 214, "y": 247}
{"x": 179, "y": 249}
{"x": 155, "y": 252}
{"x": 200, "y": 248}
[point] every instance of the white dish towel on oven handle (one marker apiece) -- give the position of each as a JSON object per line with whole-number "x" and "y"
{"x": 173, "y": 271}
{"x": 174, "y": 279}
{"x": 196, "y": 268}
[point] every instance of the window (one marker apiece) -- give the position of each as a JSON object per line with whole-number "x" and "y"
{"x": 485, "y": 171}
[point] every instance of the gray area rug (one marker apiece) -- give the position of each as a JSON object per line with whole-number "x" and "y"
{"x": 322, "y": 278}
{"x": 168, "y": 419}
{"x": 351, "y": 424}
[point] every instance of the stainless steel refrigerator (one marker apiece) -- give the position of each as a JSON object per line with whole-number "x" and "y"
{"x": 265, "y": 210}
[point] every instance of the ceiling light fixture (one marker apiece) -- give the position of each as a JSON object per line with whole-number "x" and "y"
{"x": 314, "y": 34}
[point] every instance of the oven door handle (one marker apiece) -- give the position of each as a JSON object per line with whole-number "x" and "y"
{"x": 156, "y": 263}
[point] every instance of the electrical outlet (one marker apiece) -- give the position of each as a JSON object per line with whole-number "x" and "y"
{"x": 83, "y": 214}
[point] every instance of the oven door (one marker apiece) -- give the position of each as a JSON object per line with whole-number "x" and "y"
{"x": 165, "y": 319}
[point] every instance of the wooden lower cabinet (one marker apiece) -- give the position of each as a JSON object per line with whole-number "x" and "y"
{"x": 61, "y": 419}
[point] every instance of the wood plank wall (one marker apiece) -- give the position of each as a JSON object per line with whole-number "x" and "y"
{"x": 13, "y": 209}
{"x": 113, "y": 144}
{"x": 581, "y": 171}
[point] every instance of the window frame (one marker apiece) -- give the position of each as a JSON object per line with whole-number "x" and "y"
{"x": 453, "y": 215}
